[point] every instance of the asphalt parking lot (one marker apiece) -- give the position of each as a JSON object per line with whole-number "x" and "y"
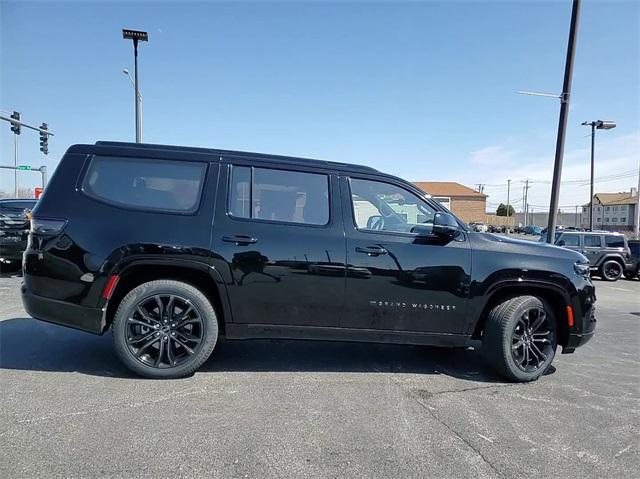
{"x": 301, "y": 409}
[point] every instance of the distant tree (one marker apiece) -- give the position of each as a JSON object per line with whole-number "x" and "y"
{"x": 502, "y": 210}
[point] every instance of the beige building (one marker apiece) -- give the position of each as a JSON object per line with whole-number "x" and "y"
{"x": 466, "y": 203}
{"x": 612, "y": 211}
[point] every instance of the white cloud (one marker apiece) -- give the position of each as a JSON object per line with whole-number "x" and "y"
{"x": 498, "y": 164}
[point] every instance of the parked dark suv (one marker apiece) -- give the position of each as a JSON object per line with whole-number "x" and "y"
{"x": 173, "y": 247}
{"x": 608, "y": 253}
{"x": 632, "y": 269}
{"x": 14, "y": 228}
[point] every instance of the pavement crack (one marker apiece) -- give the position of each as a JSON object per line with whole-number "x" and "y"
{"x": 137, "y": 404}
{"x": 431, "y": 411}
{"x": 424, "y": 394}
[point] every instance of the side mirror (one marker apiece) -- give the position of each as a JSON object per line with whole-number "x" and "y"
{"x": 445, "y": 225}
{"x": 375, "y": 222}
{"x": 561, "y": 243}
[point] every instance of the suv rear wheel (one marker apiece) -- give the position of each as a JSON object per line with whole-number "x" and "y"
{"x": 519, "y": 338}
{"x": 165, "y": 329}
{"x": 611, "y": 270}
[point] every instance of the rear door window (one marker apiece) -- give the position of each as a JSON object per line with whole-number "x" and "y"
{"x": 614, "y": 241}
{"x": 146, "y": 183}
{"x": 279, "y": 195}
{"x": 591, "y": 241}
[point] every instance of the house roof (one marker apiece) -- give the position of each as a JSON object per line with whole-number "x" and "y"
{"x": 447, "y": 188}
{"x": 623, "y": 198}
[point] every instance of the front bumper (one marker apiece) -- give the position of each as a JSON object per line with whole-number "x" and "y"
{"x": 583, "y": 330}
{"x": 63, "y": 313}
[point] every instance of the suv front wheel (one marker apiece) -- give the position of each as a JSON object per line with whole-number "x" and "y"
{"x": 165, "y": 329}
{"x": 519, "y": 338}
{"x": 611, "y": 270}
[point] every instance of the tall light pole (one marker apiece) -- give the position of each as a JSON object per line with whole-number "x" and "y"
{"x": 136, "y": 36}
{"x": 562, "y": 122}
{"x": 126, "y": 72}
{"x": 599, "y": 125}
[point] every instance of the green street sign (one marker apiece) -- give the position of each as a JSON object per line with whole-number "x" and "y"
{"x": 24, "y": 167}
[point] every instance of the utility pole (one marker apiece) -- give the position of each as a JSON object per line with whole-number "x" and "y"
{"x": 508, "y": 208}
{"x": 562, "y": 122}
{"x": 526, "y": 196}
{"x": 576, "y": 217}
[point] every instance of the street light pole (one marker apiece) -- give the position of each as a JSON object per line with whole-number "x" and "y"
{"x": 136, "y": 36}
{"x": 593, "y": 145}
{"x": 562, "y": 122}
{"x": 133, "y": 84}
{"x": 135, "y": 73}
{"x": 600, "y": 125}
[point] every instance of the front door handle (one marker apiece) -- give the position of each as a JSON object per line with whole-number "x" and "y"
{"x": 239, "y": 239}
{"x": 371, "y": 250}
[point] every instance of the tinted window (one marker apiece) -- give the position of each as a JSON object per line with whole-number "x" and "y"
{"x": 614, "y": 241}
{"x": 569, "y": 240}
{"x": 381, "y": 206}
{"x": 279, "y": 195}
{"x": 591, "y": 241}
{"x": 146, "y": 183}
{"x": 18, "y": 205}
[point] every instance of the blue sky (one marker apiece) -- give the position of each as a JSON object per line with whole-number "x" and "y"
{"x": 423, "y": 90}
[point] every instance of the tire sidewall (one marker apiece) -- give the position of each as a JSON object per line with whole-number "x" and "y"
{"x": 198, "y": 301}
{"x": 519, "y": 374}
{"x": 604, "y": 269}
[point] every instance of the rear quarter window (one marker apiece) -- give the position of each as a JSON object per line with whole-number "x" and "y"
{"x": 614, "y": 241}
{"x": 147, "y": 184}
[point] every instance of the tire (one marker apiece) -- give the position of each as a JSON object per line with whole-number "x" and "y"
{"x": 611, "y": 270}
{"x": 172, "y": 342}
{"x": 505, "y": 327}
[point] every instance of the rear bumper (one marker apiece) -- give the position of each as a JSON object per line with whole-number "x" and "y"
{"x": 63, "y": 313}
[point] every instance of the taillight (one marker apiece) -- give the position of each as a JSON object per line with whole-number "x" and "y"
{"x": 47, "y": 226}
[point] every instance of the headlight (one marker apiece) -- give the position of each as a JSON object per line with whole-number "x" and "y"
{"x": 582, "y": 269}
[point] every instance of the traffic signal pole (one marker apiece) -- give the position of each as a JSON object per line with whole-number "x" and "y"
{"x": 16, "y": 126}
{"x": 15, "y": 164}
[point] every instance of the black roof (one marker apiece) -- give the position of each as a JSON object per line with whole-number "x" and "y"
{"x": 291, "y": 160}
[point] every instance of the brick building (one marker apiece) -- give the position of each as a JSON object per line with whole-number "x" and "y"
{"x": 466, "y": 203}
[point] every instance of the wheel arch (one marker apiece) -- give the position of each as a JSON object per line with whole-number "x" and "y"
{"x": 557, "y": 298}
{"x": 199, "y": 275}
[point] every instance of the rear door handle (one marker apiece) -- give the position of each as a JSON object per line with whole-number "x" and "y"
{"x": 371, "y": 250}
{"x": 239, "y": 239}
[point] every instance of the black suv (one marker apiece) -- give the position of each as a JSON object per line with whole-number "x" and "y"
{"x": 14, "y": 228}
{"x": 632, "y": 269}
{"x": 608, "y": 252}
{"x": 173, "y": 247}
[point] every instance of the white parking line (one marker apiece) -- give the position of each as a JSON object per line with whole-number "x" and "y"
{"x": 621, "y": 289}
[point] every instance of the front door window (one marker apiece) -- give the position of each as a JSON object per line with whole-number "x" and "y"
{"x": 381, "y": 206}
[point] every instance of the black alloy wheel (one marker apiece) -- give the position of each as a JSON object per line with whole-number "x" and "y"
{"x": 532, "y": 340}
{"x": 519, "y": 338}
{"x": 164, "y": 330}
{"x": 611, "y": 270}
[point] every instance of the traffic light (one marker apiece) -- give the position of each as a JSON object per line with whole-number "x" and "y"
{"x": 44, "y": 139}
{"x": 15, "y": 127}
